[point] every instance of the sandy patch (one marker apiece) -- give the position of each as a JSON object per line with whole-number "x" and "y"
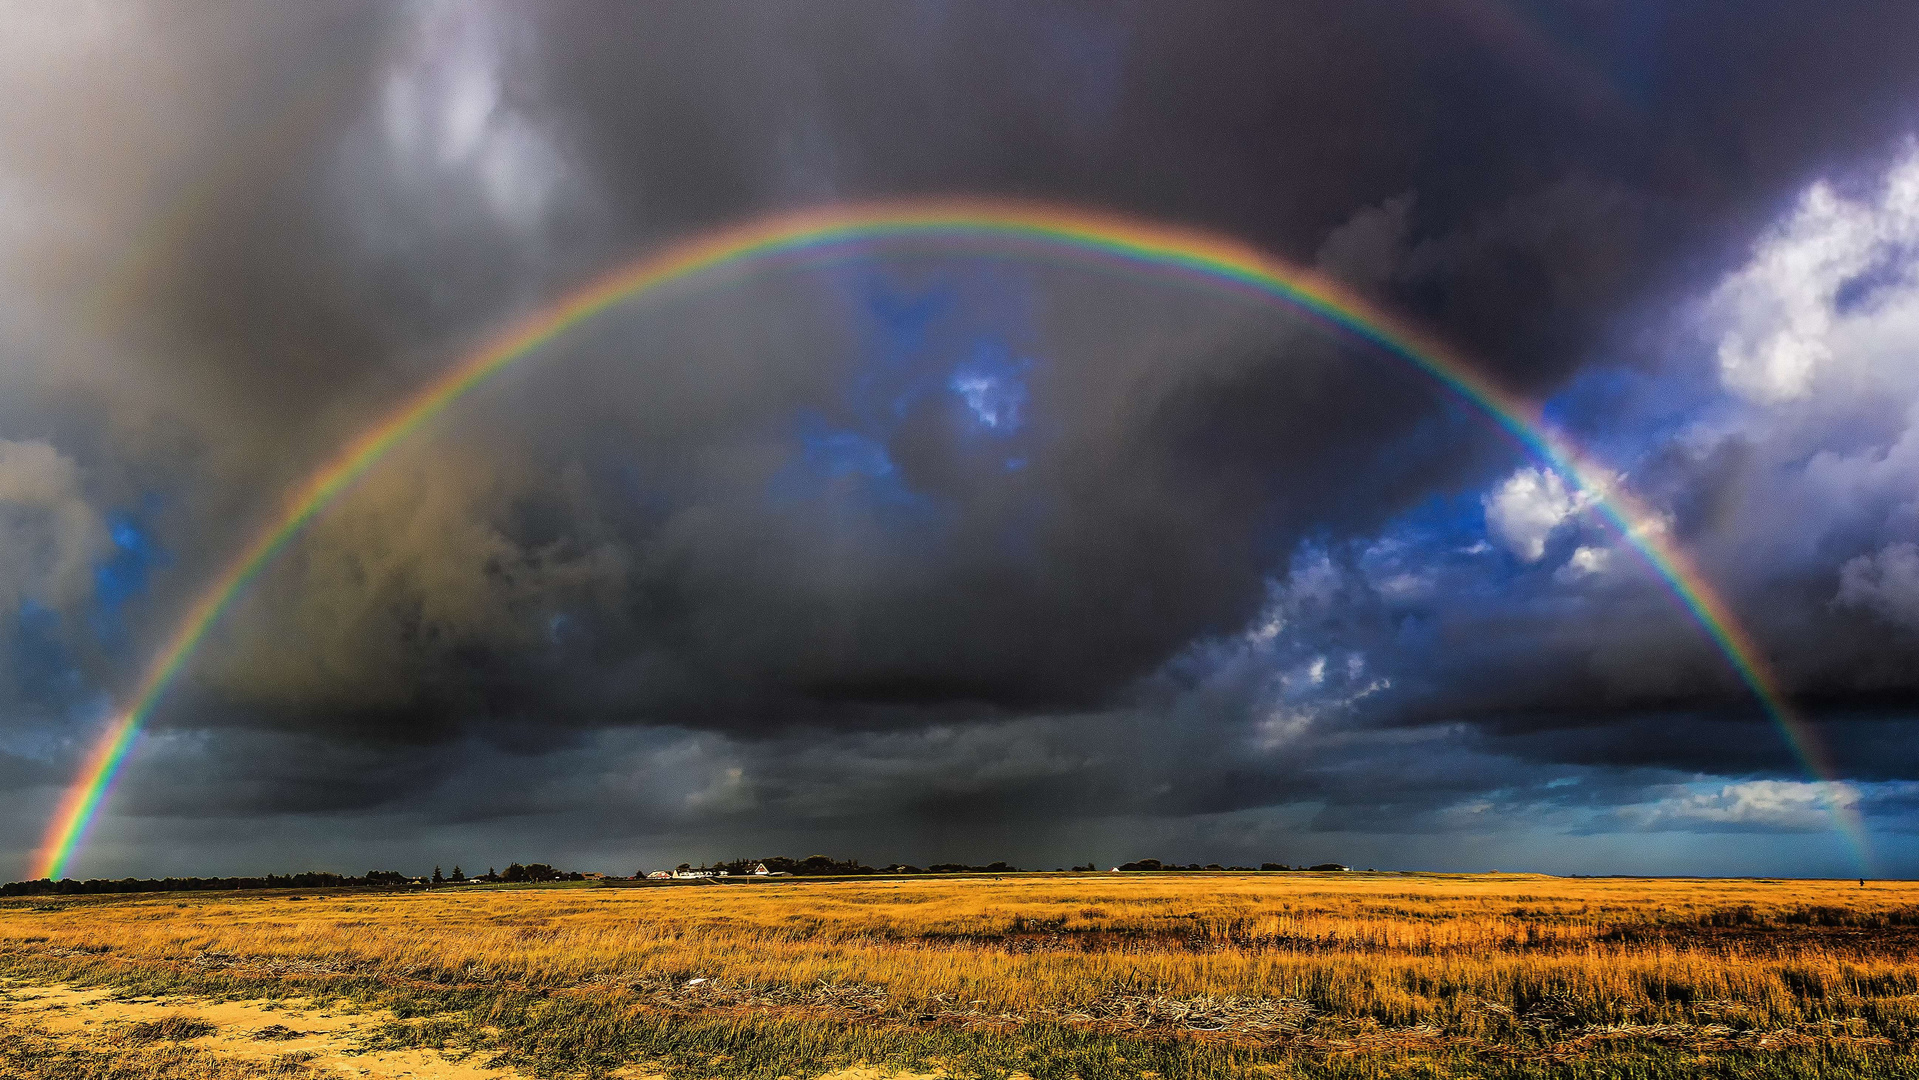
{"x": 325, "y": 1039}
{"x": 857, "y": 1072}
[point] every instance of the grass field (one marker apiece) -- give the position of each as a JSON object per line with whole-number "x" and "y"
{"x": 1050, "y": 976}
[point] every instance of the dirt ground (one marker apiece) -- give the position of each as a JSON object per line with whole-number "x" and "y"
{"x": 270, "y": 1033}
{"x": 324, "y": 1040}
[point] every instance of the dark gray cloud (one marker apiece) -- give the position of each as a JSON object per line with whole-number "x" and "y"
{"x": 930, "y": 539}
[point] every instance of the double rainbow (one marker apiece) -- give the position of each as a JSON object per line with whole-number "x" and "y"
{"x": 1098, "y": 238}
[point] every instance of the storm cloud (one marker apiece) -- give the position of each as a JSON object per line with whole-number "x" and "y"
{"x": 1021, "y": 558}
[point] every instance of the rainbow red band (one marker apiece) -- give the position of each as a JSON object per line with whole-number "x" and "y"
{"x": 1214, "y": 260}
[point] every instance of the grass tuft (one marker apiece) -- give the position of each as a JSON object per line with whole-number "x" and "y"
{"x": 178, "y": 1027}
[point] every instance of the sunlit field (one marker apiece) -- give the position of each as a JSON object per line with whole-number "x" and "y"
{"x": 1044, "y": 975}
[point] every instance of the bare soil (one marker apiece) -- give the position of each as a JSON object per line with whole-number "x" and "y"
{"x": 325, "y": 1040}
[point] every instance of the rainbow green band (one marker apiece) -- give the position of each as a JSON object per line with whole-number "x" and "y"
{"x": 1212, "y": 259}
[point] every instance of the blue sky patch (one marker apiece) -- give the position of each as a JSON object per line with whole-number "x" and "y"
{"x": 993, "y": 386}
{"x": 123, "y": 575}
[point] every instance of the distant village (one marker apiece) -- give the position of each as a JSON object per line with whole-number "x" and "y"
{"x": 822, "y": 866}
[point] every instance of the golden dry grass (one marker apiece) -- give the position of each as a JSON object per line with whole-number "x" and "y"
{"x": 1275, "y": 963}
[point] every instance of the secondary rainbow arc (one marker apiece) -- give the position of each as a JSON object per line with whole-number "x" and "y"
{"x": 1207, "y": 257}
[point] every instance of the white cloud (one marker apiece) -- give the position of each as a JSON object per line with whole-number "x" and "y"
{"x": 1405, "y": 586}
{"x": 1313, "y": 581}
{"x": 1819, "y": 341}
{"x": 1785, "y": 313}
{"x": 1771, "y": 804}
{"x": 1525, "y": 511}
{"x": 1396, "y": 569}
{"x": 1316, "y": 671}
{"x": 1585, "y": 562}
{"x": 1886, "y": 581}
{"x": 1311, "y": 693}
{"x": 996, "y": 400}
{"x": 1288, "y": 721}
{"x": 445, "y": 114}
{"x": 1266, "y": 629}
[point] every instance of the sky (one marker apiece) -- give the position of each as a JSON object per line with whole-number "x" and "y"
{"x": 930, "y": 553}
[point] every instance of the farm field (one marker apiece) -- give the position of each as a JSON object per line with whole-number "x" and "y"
{"x": 1047, "y": 976}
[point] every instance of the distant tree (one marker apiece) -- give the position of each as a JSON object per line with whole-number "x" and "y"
{"x": 514, "y": 872}
{"x": 437, "y": 879}
{"x": 492, "y": 874}
{"x": 457, "y": 875}
{"x": 540, "y": 871}
{"x": 824, "y": 864}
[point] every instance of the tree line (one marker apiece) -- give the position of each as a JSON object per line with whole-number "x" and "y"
{"x": 311, "y": 880}
{"x": 534, "y": 873}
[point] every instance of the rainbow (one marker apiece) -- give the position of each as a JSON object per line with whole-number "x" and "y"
{"x": 1099, "y": 238}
